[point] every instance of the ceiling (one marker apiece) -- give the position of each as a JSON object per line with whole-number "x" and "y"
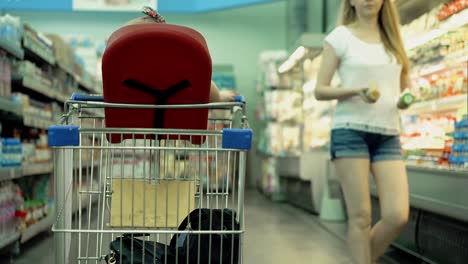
{"x": 164, "y": 6}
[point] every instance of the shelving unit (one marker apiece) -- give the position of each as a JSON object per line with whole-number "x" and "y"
{"x": 41, "y": 90}
{"x": 437, "y": 189}
{"x": 438, "y": 105}
{"x": 35, "y": 229}
{"x": 454, "y": 22}
{"x": 442, "y": 170}
{"x": 8, "y": 240}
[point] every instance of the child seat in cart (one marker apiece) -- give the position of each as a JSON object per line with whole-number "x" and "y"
{"x": 156, "y": 64}
{"x": 151, "y": 172}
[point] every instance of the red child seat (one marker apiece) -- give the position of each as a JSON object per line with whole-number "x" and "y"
{"x": 156, "y": 64}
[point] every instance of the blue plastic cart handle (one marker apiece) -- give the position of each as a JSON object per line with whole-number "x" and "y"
{"x": 239, "y": 99}
{"x": 85, "y": 97}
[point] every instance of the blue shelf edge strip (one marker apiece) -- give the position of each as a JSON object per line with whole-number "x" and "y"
{"x": 64, "y": 136}
{"x": 237, "y": 139}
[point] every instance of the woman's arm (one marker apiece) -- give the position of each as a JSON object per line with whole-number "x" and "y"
{"x": 323, "y": 89}
{"x": 405, "y": 82}
{"x": 220, "y": 96}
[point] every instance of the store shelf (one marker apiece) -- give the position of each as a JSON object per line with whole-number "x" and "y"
{"x": 9, "y": 106}
{"x": 441, "y": 191}
{"x": 37, "y": 169}
{"x": 35, "y": 84}
{"x": 37, "y": 122}
{"x": 35, "y": 51}
{"x": 66, "y": 68}
{"x": 8, "y": 240}
{"x": 438, "y": 105}
{"x": 442, "y": 170}
{"x": 12, "y": 48}
{"x": 86, "y": 86}
{"x": 10, "y": 173}
{"x": 42, "y": 226}
{"x": 453, "y": 22}
{"x": 27, "y": 170}
{"x": 451, "y": 61}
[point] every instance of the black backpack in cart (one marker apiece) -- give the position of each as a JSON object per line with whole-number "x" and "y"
{"x": 196, "y": 247}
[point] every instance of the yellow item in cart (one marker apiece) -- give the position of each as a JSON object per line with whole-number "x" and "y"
{"x": 142, "y": 203}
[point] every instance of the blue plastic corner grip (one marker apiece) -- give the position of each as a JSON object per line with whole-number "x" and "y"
{"x": 237, "y": 139}
{"x": 86, "y": 98}
{"x": 61, "y": 136}
{"x": 239, "y": 99}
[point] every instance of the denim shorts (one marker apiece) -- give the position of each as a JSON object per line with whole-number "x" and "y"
{"x": 349, "y": 143}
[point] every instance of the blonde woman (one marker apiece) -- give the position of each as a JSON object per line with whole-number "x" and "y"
{"x": 367, "y": 50}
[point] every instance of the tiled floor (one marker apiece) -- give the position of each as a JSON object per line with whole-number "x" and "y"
{"x": 276, "y": 233}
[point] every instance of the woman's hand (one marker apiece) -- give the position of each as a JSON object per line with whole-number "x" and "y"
{"x": 403, "y": 106}
{"x": 227, "y": 95}
{"x": 369, "y": 95}
{"x": 362, "y": 92}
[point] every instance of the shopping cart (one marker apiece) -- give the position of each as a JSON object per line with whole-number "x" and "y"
{"x": 115, "y": 202}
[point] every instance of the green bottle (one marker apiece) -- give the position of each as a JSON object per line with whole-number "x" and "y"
{"x": 406, "y": 99}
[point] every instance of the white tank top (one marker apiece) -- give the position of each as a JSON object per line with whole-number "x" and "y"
{"x": 360, "y": 64}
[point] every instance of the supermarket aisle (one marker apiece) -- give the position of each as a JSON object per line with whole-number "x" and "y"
{"x": 276, "y": 233}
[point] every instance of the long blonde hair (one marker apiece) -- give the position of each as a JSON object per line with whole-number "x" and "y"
{"x": 389, "y": 23}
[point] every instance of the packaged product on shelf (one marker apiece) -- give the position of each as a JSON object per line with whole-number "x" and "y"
{"x": 29, "y": 152}
{"x": 38, "y": 43}
{"x": 316, "y": 132}
{"x": 283, "y": 105}
{"x": 35, "y": 113}
{"x": 268, "y": 68}
{"x": 426, "y": 139}
{"x": 62, "y": 51}
{"x": 451, "y": 8}
{"x": 270, "y": 178}
{"x": 274, "y": 138}
{"x": 11, "y": 153}
{"x": 459, "y": 156}
{"x": 36, "y": 192}
{"x": 25, "y": 68}
{"x": 11, "y": 201}
{"x": 445, "y": 83}
{"x": 291, "y": 140}
{"x": 5, "y": 75}
{"x": 10, "y": 29}
{"x": 86, "y": 58}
